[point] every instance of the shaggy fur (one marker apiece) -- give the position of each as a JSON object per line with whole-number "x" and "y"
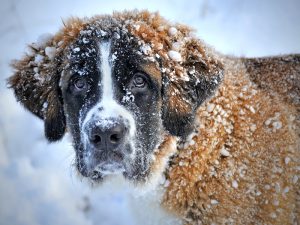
{"x": 230, "y": 159}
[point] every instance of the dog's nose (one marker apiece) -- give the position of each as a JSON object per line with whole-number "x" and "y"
{"x": 107, "y": 136}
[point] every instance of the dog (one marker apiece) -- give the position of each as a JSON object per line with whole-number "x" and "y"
{"x": 147, "y": 99}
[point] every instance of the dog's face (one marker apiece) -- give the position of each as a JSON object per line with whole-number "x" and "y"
{"x": 117, "y": 87}
{"x": 112, "y": 99}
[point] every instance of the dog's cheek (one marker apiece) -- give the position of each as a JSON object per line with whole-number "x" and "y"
{"x": 54, "y": 121}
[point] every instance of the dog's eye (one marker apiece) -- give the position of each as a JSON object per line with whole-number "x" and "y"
{"x": 139, "y": 80}
{"x": 80, "y": 84}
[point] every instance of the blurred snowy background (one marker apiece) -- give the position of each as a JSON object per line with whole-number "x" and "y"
{"x": 37, "y": 182}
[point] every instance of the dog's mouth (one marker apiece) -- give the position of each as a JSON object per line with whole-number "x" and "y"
{"x": 107, "y": 168}
{"x": 96, "y": 167}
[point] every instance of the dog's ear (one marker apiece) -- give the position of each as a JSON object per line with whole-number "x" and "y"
{"x": 37, "y": 77}
{"x": 36, "y": 85}
{"x": 187, "y": 85}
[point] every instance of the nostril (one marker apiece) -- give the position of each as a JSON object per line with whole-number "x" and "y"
{"x": 114, "y": 138}
{"x": 96, "y": 139}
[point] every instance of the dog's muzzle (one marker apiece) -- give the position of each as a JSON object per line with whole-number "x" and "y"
{"x": 106, "y": 146}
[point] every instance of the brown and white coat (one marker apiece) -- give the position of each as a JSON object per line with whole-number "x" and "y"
{"x": 229, "y": 140}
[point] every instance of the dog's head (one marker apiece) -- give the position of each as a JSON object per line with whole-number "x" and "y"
{"x": 123, "y": 85}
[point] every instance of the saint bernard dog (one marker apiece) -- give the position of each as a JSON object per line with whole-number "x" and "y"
{"x": 148, "y": 100}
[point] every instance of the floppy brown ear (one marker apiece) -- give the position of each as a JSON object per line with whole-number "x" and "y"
{"x": 36, "y": 85}
{"x": 193, "y": 81}
{"x": 37, "y": 76}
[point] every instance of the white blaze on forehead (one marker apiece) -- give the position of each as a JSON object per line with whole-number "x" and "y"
{"x": 108, "y": 107}
{"x": 107, "y": 86}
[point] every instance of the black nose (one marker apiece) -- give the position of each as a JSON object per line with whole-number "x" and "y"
{"x": 107, "y": 136}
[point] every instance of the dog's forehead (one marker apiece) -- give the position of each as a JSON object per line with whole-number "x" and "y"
{"x": 84, "y": 55}
{"x": 159, "y": 47}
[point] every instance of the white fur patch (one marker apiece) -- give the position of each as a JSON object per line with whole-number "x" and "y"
{"x": 108, "y": 107}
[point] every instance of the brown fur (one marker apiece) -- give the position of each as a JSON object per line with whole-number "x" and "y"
{"x": 242, "y": 164}
{"x": 257, "y": 183}
{"x": 280, "y": 74}
{"x": 36, "y": 95}
{"x": 152, "y": 69}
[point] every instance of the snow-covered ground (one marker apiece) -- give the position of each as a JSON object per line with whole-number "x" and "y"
{"x": 37, "y": 182}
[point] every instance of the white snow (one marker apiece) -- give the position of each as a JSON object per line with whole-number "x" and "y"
{"x": 176, "y": 46}
{"x": 210, "y": 107}
{"x": 38, "y": 59}
{"x": 277, "y": 125}
{"x": 172, "y": 31}
{"x": 274, "y": 122}
{"x": 128, "y": 97}
{"x": 286, "y": 190}
{"x": 253, "y": 127}
{"x": 175, "y": 56}
{"x": 146, "y": 49}
{"x": 214, "y": 202}
{"x": 287, "y": 160}
{"x": 224, "y": 152}
{"x": 103, "y": 33}
{"x": 77, "y": 49}
{"x": 38, "y": 183}
{"x": 235, "y": 184}
{"x": 267, "y": 187}
{"x": 295, "y": 179}
{"x": 85, "y": 40}
{"x": 45, "y": 105}
{"x": 50, "y": 52}
{"x": 251, "y": 108}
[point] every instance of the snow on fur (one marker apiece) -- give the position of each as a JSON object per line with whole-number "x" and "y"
{"x": 234, "y": 129}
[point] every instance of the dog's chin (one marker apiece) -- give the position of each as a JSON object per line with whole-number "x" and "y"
{"x": 105, "y": 171}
